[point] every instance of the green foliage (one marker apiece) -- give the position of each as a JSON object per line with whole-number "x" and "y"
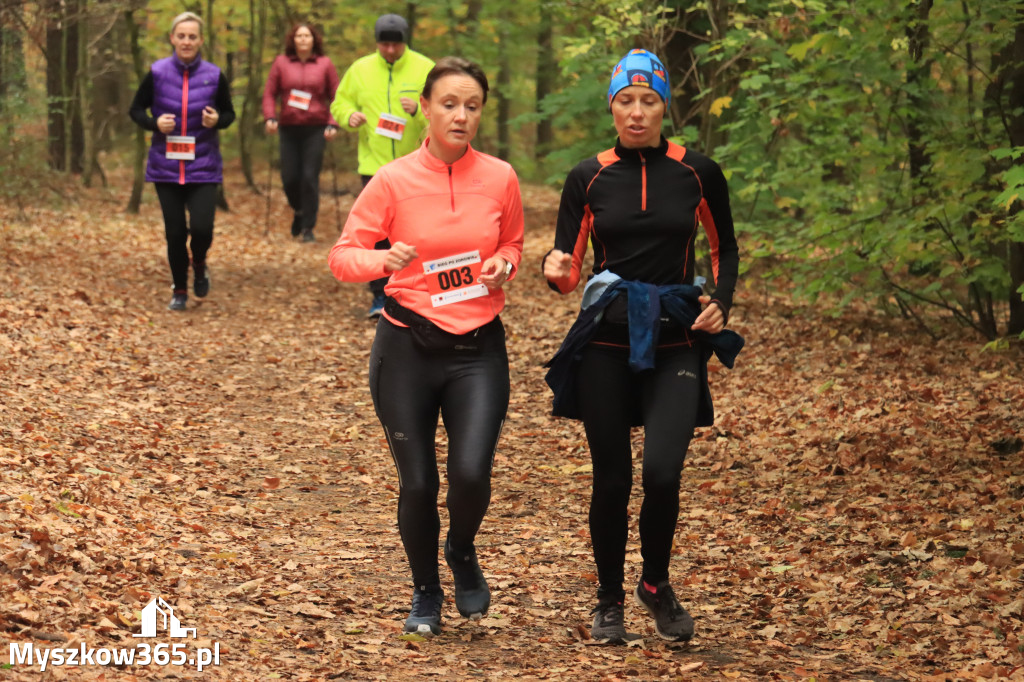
{"x": 23, "y": 153}
{"x": 820, "y": 130}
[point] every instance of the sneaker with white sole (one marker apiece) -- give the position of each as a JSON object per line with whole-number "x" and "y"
{"x": 425, "y": 615}
{"x": 609, "y": 626}
{"x": 671, "y": 620}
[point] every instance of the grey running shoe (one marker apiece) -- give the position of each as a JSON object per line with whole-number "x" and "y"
{"x": 201, "y": 285}
{"x": 671, "y": 621}
{"x": 608, "y": 624}
{"x": 178, "y": 301}
{"x": 425, "y": 616}
{"x": 472, "y": 596}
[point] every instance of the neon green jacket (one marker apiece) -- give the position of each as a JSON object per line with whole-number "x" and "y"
{"x": 373, "y": 86}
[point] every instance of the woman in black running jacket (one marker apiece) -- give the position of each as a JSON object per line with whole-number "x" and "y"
{"x": 637, "y": 354}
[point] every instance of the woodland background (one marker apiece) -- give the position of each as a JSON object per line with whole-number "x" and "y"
{"x": 873, "y": 148}
{"x": 856, "y": 512}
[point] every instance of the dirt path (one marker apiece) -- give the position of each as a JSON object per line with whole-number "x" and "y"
{"x": 856, "y": 512}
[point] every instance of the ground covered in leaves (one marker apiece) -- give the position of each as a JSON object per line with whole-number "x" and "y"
{"x": 857, "y": 512}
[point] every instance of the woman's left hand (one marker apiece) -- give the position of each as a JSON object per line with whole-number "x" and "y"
{"x": 711, "y": 320}
{"x": 494, "y": 272}
{"x": 210, "y": 117}
{"x": 330, "y": 132}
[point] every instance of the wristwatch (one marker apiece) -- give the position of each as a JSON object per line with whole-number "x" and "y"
{"x": 508, "y": 269}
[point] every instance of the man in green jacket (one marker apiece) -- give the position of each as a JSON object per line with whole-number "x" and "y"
{"x": 379, "y": 98}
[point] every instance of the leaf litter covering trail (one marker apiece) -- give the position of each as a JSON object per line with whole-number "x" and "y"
{"x": 855, "y": 513}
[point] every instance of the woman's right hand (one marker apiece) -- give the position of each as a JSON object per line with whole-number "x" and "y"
{"x": 165, "y": 123}
{"x": 270, "y": 126}
{"x": 557, "y": 265}
{"x": 399, "y": 256}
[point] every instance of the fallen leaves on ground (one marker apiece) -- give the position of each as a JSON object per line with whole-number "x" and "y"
{"x": 854, "y": 514}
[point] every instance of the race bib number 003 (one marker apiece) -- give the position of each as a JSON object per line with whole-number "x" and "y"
{"x": 181, "y": 147}
{"x": 391, "y": 126}
{"x": 454, "y": 278}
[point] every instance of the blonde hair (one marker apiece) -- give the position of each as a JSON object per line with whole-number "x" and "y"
{"x": 186, "y": 16}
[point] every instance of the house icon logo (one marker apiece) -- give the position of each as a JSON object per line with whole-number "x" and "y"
{"x": 160, "y": 613}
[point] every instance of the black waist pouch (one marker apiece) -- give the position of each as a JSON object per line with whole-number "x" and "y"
{"x": 429, "y": 337}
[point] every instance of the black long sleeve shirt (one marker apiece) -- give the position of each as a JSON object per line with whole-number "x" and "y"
{"x": 640, "y": 208}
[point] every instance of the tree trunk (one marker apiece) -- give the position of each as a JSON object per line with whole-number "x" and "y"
{"x": 504, "y": 86}
{"x": 139, "y": 158}
{"x": 247, "y": 126}
{"x": 547, "y": 69}
{"x": 1016, "y": 131}
{"x": 83, "y": 85}
{"x": 918, "y": 72}
{"x": 12, "y": 55}
{"x": 64, "y": 125}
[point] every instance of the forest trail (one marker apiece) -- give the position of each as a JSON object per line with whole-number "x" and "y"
{"x": 856, "y": 513}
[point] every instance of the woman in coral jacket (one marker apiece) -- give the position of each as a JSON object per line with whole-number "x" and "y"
{"x": 188, "y": 100}
{"x": 637, "y": 354}
{"x": 304, "y": 81}
{"x": 454, "y": 219}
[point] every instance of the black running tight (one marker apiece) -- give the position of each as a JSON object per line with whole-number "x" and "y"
{"x": 470, "y": 392}
{"x": 200, "y": 199}
{"x": 666, "y": 399}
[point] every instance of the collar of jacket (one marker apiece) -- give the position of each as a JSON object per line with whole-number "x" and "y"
{"x": 182, "y": 66}
{"x": 431, "y": 162}
{"x": 633, "y": 154}
{"x": 398, "y": 62}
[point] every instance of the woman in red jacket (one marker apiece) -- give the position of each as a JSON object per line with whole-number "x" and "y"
{"x": 454, "y": 219}
{"x": 304, "y": 81}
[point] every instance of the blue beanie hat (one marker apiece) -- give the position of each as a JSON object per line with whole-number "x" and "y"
{"x": 640, "y": 67}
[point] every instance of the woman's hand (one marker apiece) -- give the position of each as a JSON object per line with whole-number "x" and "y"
{"x": 399, "y": 256}
{"x": 711, "y": 320}
{"x": 165, "y": 124}
{"x": 210, "y": 117}
{"x": 494, "y": 272}
{"x": 330, "y": 132}
{"x": 270, "y": 126}
{"x": 357, "y": 119}
{"x": 557, "y": 265}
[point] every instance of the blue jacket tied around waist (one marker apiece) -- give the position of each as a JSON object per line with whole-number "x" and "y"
{"x": 646, "y": 302}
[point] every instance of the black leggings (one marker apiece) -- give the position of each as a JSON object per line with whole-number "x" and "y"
{"x": 610, "y": 397}
{"x": 302, "y": 157}
{"x": 470, "y": 391}
{"x": 200, "y": 198}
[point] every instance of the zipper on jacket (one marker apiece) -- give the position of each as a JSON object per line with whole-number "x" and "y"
{"x": 643, "y": 182}
{"x": 451, "y": 188}
{"x": 184, "y": 123}
{"x": 391, "y": 72}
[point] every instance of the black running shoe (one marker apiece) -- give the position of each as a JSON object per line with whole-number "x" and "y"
{"x": 472, "y": 596}
{"x": 307, "y": 236}
{"x": 201, "y": 285}
{"x": 425, "y": 616}
{"x": 178, "y": 301}
{"x": 671, "y": 621}
{"x": 608, "y": 624}
{"x": 297, "y": 225}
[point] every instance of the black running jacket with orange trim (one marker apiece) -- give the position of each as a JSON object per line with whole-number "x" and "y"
{"x": 640, "y": 208}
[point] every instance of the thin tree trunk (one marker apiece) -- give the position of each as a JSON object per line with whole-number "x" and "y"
{"x": 139, "y": 159}
{"x": 546, "y": 71}
{"x": 917, "y": 74}
{"x": 504, "y": 88}
{"x": 251, "y": 105}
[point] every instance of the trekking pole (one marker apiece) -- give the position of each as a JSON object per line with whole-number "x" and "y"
{"x": 334, "y": 184}
{"x": 270, "y": 178}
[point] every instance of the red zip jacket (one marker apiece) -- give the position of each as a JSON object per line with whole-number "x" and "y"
{"x": 455, "y": 215}
{"x": 316, "y": 76}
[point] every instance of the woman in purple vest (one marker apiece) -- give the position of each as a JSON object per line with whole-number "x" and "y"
{"x": 189, "y": 100}
{"x": 304, "y": 80}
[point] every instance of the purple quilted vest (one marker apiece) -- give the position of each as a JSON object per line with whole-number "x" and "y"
{"x": 177, "y": 86}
